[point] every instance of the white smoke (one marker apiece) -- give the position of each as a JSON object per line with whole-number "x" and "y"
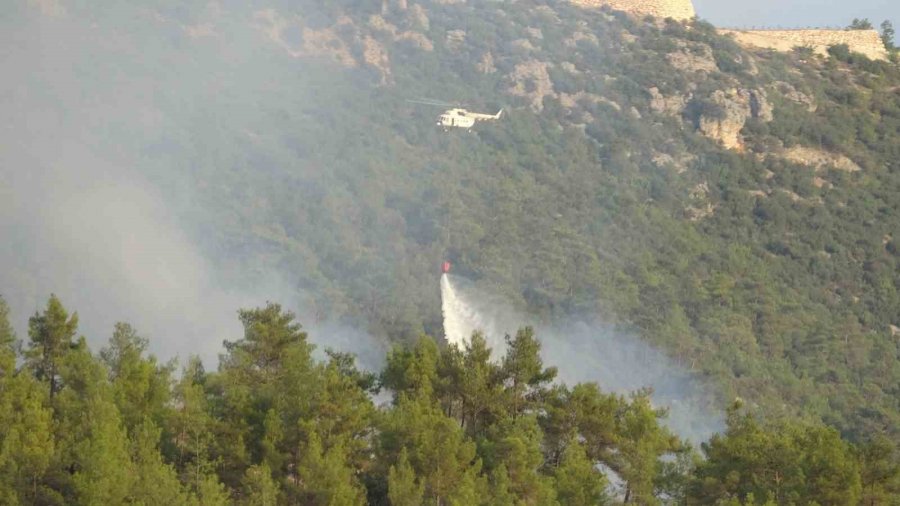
{"x": 103, "y": 240}
{"x": 586, "y": 351}
{"x": 88, "y": 214}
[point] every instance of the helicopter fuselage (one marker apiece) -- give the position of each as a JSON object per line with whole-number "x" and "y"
{"x": 461, "y": 118}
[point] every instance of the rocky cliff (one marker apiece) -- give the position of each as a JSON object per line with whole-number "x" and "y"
{"x": 675, "y": 9}
{"x": 867, "y": 42}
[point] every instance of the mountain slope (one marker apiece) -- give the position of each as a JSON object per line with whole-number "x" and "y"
{"x": 737, "y": 209}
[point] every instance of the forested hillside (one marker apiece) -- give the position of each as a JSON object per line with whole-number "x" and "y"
{"x": 273, "y": 426}
{"x": 739, "y": 210}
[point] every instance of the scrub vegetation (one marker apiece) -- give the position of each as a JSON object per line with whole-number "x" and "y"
{"x": 736, "y": 209}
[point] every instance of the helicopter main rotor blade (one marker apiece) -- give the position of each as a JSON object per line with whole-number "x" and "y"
{"x": 436, "y": 103}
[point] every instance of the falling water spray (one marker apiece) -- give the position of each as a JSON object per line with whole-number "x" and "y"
{"x": 586, "y": 350}
{"x": 457, "y": 317}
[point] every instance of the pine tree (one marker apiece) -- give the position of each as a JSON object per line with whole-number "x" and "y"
{"x": 325, "y": 478}
{"x": 93, "y": 445}
{"x": 259, "y": 487}
{"x": 342, "y": 413}
{"x": 501, "y": 494}
{"x": 26, "y": 442}
{"x": 786, "y": 462}
{"x": 266, "y": 380}
{"x": 578, "y": 482}
{"x": 640, "y": 444}
{"x": 191, "y": 426}
{"x": 880, "y": 472}
{"x": 268, "y": 333}
{"x": 481, "y": 387}
{"x": 7, "y": 334}
{"x": 104, "y": 472}
{"x": 524, "y": 373}
{"x": 51, "y": 334}
{"x": 155, "y": 481}
{"x": 404, "y": 489}
{"x": 210, "y": 492}
{"x": 273, "y": 437}
{"x": 141, "y": 388}
{"x": 584, "y": 411}
{"x": 887, "y": 35}
{"x": 515, "y": 443}
{"x": 860, "y": 24}
{"x": 412, "y": 372}
{"x": 437, "y": 448}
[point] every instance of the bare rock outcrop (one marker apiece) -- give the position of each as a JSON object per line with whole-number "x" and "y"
{"x": 455, "y": 39}
{"x": 791, "y": 93}
{"x": 375, "y": 55}
{"x": 760, "y": 107}
{"x": 335, "y": 42}
{"x": 820, "y": 159}
{"x": 419, "y": 18}
{"x": 570, "y": 68}
{"x": 417, "y": 39}
{"x": 523, "y": 44}
{"x": 670, "y": 106}
{"x": 867, "y": 42}
{"x": 679, "y": 163}
{"x": 531, "y": 80}
{"x": 695, "y": 58}
{"x": 735, "y": 106}
{"x": 324, "y": 42}
{"x": 571, "y": 100}
{"x": 486, "y": 65}
{"x": 700, "y": 206}
{"x": 581, "y": 36}
{"x": 677, "y": 9}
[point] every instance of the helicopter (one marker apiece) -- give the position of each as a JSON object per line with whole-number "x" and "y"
{"x": 457, "y": 117}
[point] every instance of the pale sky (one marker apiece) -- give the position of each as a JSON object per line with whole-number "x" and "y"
{"x": 796, "y": 13}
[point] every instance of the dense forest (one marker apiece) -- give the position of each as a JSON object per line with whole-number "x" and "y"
{"x": 274, "y": 426}
{"x": 737, "y": 209}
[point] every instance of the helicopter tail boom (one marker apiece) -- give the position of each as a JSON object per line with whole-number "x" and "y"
{"x": 480, "y": 116}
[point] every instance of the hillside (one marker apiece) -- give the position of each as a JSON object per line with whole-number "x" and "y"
{"x": 737, "y": 209}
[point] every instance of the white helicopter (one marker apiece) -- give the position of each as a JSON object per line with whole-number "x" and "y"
{"x": 457, "y": 117}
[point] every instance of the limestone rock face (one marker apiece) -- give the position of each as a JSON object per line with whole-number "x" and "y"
{"x": 794, "y": 95}
{"x": 737, "y": 106}
{"x": 820, "y": 159}
{"x": 416, "y": 38}
{"x": 455, "y": 39}
{"x": 375, "y": 55}
{"x": 700, "y": 207}
{"x": 760, "y": 107}
{"x": 419, "y": 17}
{"x": 695, "y": 59}
{"x": 531, "y": 80}
{"x": 670, "y": 106}
{"x": 324, "y": 42}
{"x": 867, "y": 42}
{"x": 486, "y": 65}
{"x": 676, "y": 9}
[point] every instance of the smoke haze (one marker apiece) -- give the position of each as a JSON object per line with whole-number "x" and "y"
{"x": 89, "y": 213}
{"x": 95, "y": 203}
{"x": 586, "y": 351}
